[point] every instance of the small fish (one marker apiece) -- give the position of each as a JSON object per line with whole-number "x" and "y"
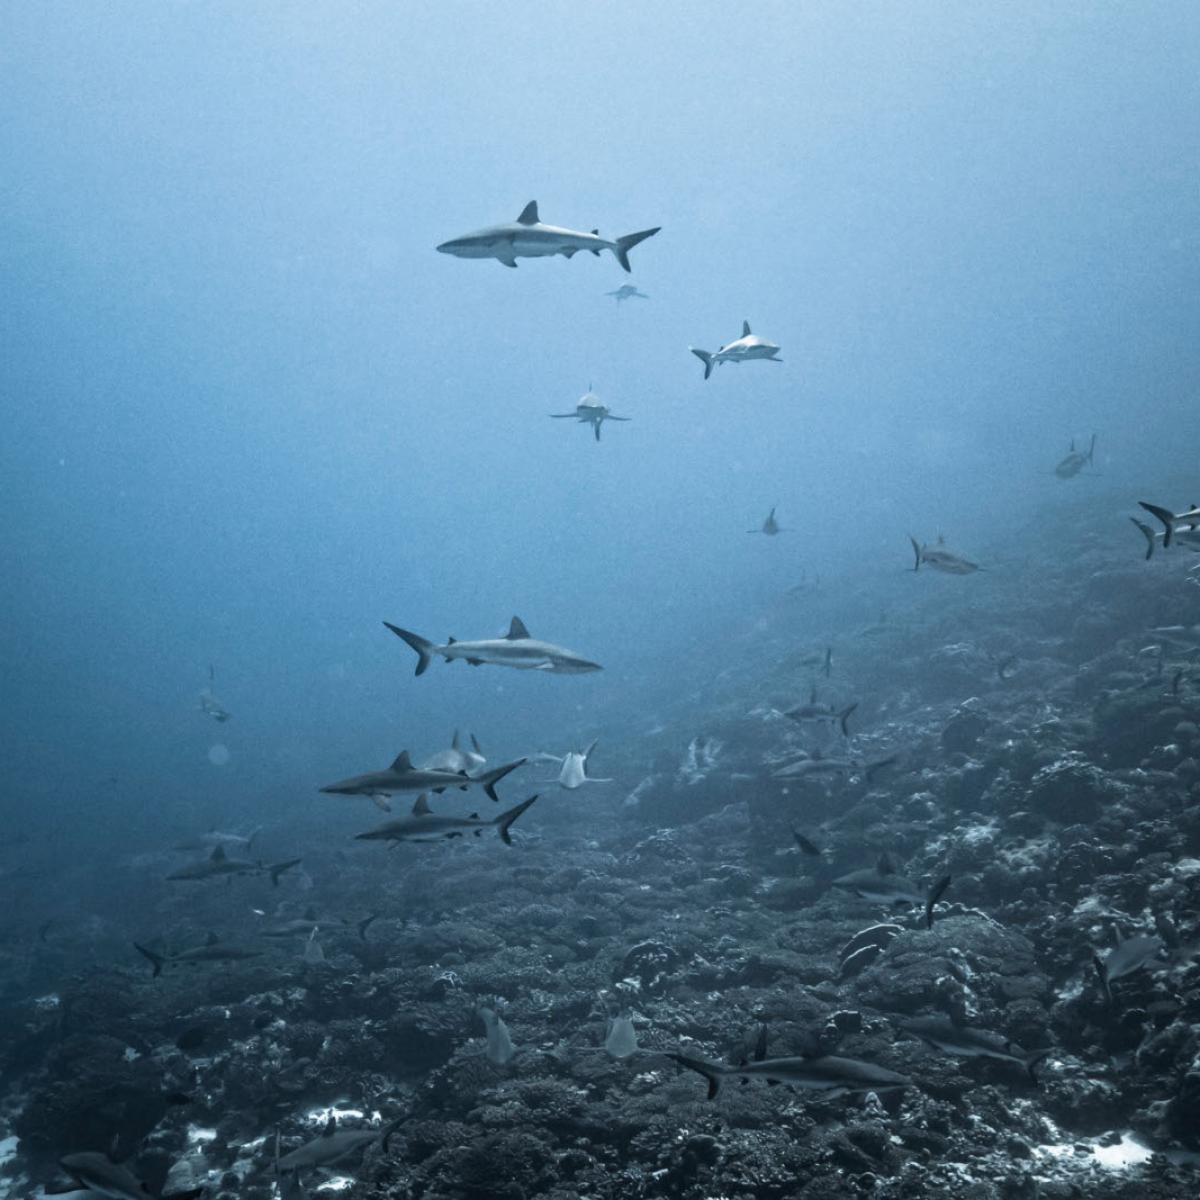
{"x": 500, "y": 1049}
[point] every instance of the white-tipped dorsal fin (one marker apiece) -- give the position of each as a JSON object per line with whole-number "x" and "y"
{"x": 745, "y": 329}
{"x": 421, "y": 805}
{"x": 403, "y": 762}
{"x": 218, "y": 854}
{"x": 517, "y": 630}
{"x": 529, "y": 214}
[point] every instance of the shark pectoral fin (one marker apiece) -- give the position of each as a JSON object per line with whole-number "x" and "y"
{"x": 506, "y": 252}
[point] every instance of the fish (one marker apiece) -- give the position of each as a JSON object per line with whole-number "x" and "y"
{"x": 214, "y": 837}
{"x": 938, "y": 558}
{"x": 500, "y": 1049}
{"x": 213, "y": 950}
{"x": 818, "y": 764}
{"x": 98, "y": 1174}
{"x": 421, "y": 825}
{"x": 963, "y": 1042}
{"x": 590, "y": 411}
{"x": 332, "y": 1144}
{"x": 627, "y": 292}
{"x": 1190, "y": 518}
{"x": 882, "y": 884}
{"x": 402, "y": 776}
{"x": 456, "y": 759}
{"x": 1127, "y": 956}
{"x": 748, "y": 348}
{"x": 620, "y": 1038}
{"x": 527, "y": 237}
{"x": 1188, "y": 537}
{"x": 824, "y": 1073}
{"x": 1075, "y": 461}
{"x": 516, "y": 649}
{"x": 813, "y": 713}
{"x": 770, "y": 526}
{"x": 218, "y": 863}
{"x": 574, "y": 769}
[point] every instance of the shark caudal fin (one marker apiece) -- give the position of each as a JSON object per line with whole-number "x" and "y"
{"x": 1165, "y": 516}
{"x": 624, "y": 244}
{"x": 707, "y": 360}
{"x": 711, "y": 1071}
{"x": 1033, "y": 1062}
{"x": 1091, "y": 450}
{"x": 916, "y": 552}
{"x": 1148, "y": 534}
{"x": 423, "y": 648}
{"x": 156, "y": 960}
{"x": 504, "y": 821}
{"x": 279, "y": 868}
{"x": 489, "y": 779}
{"x": 844, "y": 716}
{"x": 935, "y": 894}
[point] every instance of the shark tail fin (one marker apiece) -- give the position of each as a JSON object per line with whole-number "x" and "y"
{"x": 844, "y": 717}
{"x": 916, "y": 552}
{"x": 707, "y": 360}
{"x": 1033, "y": 1062}
{"x": 587, "y": 754}
{"x": 1102, "y": 975}
{"x": 364, "y": 925}
{"x": 935, "y": 894}
{"x": 489, "y": 779}
{"x": 1166, "y": 517}
{"x": 624, "y": 244}
{"x": 156, "y": 960}
{"x": 504, "y": 821}
{"x": 423, "y": 648}
{"x": 711, "y": 1071}
{"x": 1148, "y": 534}
{"x": 279, "y": 868}
{"x": 1091, "y": 450}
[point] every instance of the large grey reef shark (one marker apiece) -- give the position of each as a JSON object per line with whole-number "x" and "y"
{"x": 516, "y": 649}
{"x": 422, "y": 825}
{"x": 528, "y": 237}
{"x": 1171, "y": 521}
{"x": 590, "y": 411}
{"x": 747, "y": 348}
{"x": 402, "y": 776}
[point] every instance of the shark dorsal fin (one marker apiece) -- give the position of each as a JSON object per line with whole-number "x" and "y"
{"x": 745, "y": 329}
{"x": 475, "y": 745}
{"x": 529, "y": 214}
{"x": 454, "y": 741}
{"x": 402, "y": 762}
{"x": 330, "y": 1126}
{"x": 595, "y": 233}
{"x": 218, "y": 854}
{"x": 211, "y": 940}
{"x": 812, "y": 695}
{"x": 516, "y": 631}
{"x": 886, "y": 866}
{"x": 451, "y": 640}
{"x": 421, "y": 805}
{"x": 473, "y": 817}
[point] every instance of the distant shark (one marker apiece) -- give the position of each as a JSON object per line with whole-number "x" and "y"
{"x": 747, "y": 348}
{"x": 218, "y": 863}
{"x": 456, "y": 759}
{"x": 590, "y": 411}
{"x": 212, "y": 951}
{"x": 332, "y": 1144}
{"x": 825, "y": 1073}
{"x": 770, "y": 526}
{"x": 882, "y": 884}
{"x": 964, "y": 1042}
{"x": 402, "y": 776}
{"x": 938, "y": 558}
{"x": 573, "y": 773}
{"x": 516, "y": 649}
{"x": 1075, "y": 461}
{"x": 421, "y": 825}
{"x": 527, "y": 237}
{"x": 627, "y": 292}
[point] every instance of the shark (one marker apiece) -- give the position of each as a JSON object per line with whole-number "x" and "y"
{"x": 770, "y": 526}
{"x": 402, "y": 776}
{"x": 528, "y": 237}
{"x": 827, "y": 1073}
{"x": 573, "y": 773}
{"x": 813, "y": 713}
{"x": 627, "y": 292}
{"x": 1189, "y": 518}
{"x": 938, "y": 558}
{"x": 819, "y": 764}
{"x": 98, "y": 1175}
{"x": 516, "y": 649}
{"x": 1127, "y": 956}
{"x": 213, "y": 950}
{"x": 1190, "y": 537}
{"x": 1075, "y": 460}
{"x": 963, "y": 1042}
{"x": 332, "y": 1144}
{"x": 747, "y": 348}
{"x": 218, "y": 863}
{"x": 882, "y": 884}
{"x": 589, "y": 411}
{"x": 421, "y": 825}
{"x": 457, "y": 759}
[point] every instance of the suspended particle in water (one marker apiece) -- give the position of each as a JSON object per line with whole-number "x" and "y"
{"x": 218, "y": 754}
